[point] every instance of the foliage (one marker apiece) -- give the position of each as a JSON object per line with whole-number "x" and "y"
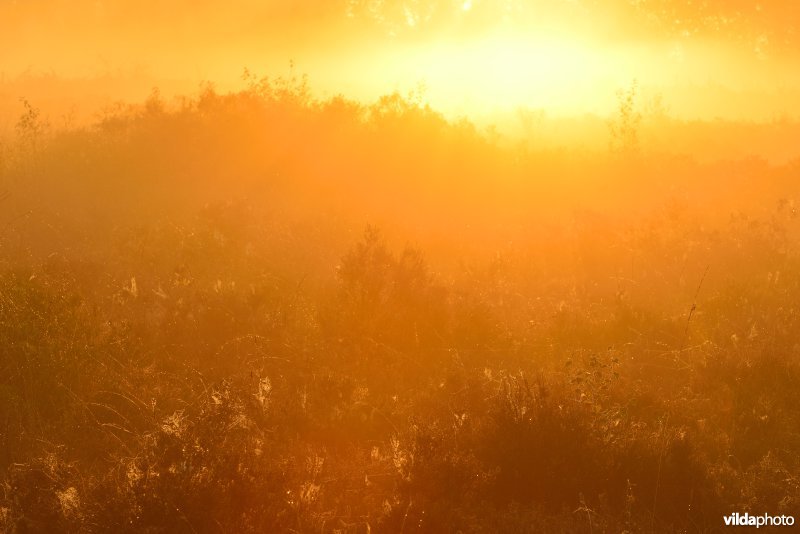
{"x": 196, "y": 336}
{"x": 625, "y": 126}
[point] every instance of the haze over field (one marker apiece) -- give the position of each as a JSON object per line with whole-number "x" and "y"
{"x": 399, "y": 266}
{"x": 735, "y": 60}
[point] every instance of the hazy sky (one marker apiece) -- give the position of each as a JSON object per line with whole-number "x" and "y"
{"x": 708, "y": 58}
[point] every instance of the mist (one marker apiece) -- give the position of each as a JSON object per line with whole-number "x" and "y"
{"x": 362, "y": 266}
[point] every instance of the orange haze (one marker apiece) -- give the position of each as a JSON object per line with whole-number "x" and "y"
{"x": 733, "y": 60}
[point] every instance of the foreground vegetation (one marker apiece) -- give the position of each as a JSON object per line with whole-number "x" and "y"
{"x": 197, "y": 333}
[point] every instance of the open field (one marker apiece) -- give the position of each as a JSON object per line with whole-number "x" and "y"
{"x": 259, "y": 311}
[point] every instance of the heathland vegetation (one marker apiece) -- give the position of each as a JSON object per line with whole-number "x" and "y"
{"x": 264, "y": 312}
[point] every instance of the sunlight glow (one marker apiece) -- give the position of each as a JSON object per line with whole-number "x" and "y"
{"x": 399, "y": 265}
{"x": 556, "y": 73}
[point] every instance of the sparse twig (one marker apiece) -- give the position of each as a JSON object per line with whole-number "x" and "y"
{"x": 692, "y": 310}
{"x": 405, "y": 516}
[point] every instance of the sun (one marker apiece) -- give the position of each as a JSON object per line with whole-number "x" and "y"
{"x": 553, "y": 72}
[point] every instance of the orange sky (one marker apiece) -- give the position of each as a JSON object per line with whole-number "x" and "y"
{"x": 730, "y": 58}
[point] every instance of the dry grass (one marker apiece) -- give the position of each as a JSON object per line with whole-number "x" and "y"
{"x": 195, "y": 336}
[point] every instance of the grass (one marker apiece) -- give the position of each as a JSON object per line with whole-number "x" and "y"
{"x": 197, "y": 335}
